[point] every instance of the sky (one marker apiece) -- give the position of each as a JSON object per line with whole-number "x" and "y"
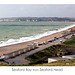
{"x": 37, "y": 10}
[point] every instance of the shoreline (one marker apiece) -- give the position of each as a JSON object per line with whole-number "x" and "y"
{"x": 14, "y": 47}
{"x": 32, "y": 38}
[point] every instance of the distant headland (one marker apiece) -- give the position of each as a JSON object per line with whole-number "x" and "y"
{"x": 34, "y": 19}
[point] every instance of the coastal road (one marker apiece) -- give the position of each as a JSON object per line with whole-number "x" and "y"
{"x": 21, "y": 58}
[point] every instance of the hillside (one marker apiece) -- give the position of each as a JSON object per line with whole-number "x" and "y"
{"x": 38, "y": 19}
{"x": 70, "y": 41}
{"x": 59, "y": 63}
{"x": 41, "y": 56}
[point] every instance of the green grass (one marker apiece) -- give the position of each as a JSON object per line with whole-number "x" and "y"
{"x": 46, "y": 53}
{"x": 42, "y": 55}
{"x": 56, "y": 63}
{"x": 70, "y": 41}
{"x": 51, "y": 51}
{"x": 59, "y": 63}
{"x": 4, "y": 64}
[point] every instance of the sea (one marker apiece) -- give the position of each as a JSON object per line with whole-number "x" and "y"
{"x": 22, "y": 31}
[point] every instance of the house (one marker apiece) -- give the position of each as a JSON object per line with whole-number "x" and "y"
{"x": 53, "y": 59}
{"x": 20, "y": 51}
{"x": 69, "y": 57}
{"x": 63, "y": 53}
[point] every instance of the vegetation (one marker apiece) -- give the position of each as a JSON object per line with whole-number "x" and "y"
{"x": 38, "y": 59}
{"x": 41, "y": 56}
{"x": 56, "y": 63}
{"x": 4, "y": 64}
{"x": 59, "y": 63}
{"x": 70, "y": 41}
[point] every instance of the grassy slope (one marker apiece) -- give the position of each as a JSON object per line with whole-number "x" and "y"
{"x": 56, "y": 63}
{"x": 46, "y": 53}
{"x": 40, "y": 56}
{"x": 4, "y": 64}
{"x": 59, "y": 63}
{"x": 70, "y": 41}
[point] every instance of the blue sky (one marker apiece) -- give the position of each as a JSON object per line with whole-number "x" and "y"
{"x": 37, "y": 10}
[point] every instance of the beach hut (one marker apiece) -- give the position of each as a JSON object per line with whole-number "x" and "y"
{"x": 21, "y": 51}
{"x": 9, "y": 55}
{"x": 28, "y": 48}
{"x": 16, "y": 53}
{"x": 13, "y": 54}
{"x": 24, "y": 50}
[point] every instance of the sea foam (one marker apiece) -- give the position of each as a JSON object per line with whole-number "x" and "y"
{"x": 38, "y": 36}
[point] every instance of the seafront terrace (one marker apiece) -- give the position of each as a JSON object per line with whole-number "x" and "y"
{"x": 20, "y": 51}
{"x": 21, "y": 59}
{"x": 9, "y": 52}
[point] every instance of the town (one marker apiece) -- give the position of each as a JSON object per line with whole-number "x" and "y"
{"x": 34, "y": 19}
{"x": 26, "y": 56}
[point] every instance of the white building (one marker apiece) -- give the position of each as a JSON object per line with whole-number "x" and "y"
{"x": 53, "y": 59}
{"x": 69, "y": 57}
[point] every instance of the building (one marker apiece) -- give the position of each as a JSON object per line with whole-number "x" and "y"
{"x": 20, "y": 51}
{"x": 53, "y": 59}
{"x": 69, "y": 57}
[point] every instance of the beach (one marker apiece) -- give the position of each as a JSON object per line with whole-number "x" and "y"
{"x": 14, "y": 47}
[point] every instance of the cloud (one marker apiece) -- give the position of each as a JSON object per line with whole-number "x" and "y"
{"x": 37, "y": 10}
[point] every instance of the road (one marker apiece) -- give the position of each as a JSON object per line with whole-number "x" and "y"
{"x": 21, "y": 58}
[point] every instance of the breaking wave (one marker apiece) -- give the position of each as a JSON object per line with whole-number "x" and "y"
{"x": 38, "y": 36}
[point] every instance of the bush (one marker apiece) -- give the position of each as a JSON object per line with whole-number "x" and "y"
{"x": 70, "y": 41}
{"x": 44, "y": 54}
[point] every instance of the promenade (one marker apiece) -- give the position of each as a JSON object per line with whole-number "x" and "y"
{"x": 15, "y": 47}
{"x": 21, "y": 58}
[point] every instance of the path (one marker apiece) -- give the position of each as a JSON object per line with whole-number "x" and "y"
{"x": 21, "y": 58}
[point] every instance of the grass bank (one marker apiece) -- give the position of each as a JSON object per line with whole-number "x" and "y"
{"x": 38, "y": 59}
{"x": 70, "y": 41}
{"x": 59, "y": 63}
{"x": 41, "y": 56}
